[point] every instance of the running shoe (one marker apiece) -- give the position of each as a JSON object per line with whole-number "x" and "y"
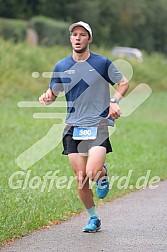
{"x": 93, "y": 225}
{"x": 103, "y": 185}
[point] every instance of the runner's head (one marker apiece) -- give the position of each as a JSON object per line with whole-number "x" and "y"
{"x": 80, "y": 36}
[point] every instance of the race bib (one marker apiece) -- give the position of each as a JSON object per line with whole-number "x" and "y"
{"x": 84, "y": 133}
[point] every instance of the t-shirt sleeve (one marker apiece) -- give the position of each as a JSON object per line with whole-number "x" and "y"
{"x": 55, "y": 82}
{"x": 112, "y": 74}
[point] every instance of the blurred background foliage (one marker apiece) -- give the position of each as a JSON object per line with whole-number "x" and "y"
{"x": 133, "y": 23}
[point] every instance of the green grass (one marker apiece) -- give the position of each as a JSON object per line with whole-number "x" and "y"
{"x": 139, "y": 142}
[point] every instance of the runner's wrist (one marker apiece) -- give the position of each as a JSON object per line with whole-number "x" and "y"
{"x": 114, "y": 100}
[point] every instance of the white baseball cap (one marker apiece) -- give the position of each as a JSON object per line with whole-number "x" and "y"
{"x": 83, "y": 24}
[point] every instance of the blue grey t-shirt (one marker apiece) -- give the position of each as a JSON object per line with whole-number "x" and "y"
{"x": 86, "y": 87}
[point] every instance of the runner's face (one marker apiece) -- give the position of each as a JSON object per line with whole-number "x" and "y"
{"x": 80, "y": 39}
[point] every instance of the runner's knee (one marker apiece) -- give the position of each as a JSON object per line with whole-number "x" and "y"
{"x": 93, "y": 174}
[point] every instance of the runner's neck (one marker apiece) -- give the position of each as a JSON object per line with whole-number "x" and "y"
{"x": 81, "y": 57}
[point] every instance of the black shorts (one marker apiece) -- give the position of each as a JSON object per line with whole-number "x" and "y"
{"x": 82, "y": 146}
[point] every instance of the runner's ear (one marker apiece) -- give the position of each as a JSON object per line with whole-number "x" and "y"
{"x": 90, "y": 40}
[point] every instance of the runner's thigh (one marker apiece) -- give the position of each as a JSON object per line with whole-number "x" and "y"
{"x": 78, "y": 162}
{"x": 96, "y": 159}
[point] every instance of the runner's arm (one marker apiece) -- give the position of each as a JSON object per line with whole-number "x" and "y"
{"x": 114, "y": 110}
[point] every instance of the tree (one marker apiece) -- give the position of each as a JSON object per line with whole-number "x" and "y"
{"x": 135, "y": 23}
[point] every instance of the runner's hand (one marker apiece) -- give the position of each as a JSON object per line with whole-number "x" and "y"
{"x": 47, "y": 98}
{"x": 114, "y": 111}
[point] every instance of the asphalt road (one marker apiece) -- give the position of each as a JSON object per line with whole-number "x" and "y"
{"x": 136, "y": 222}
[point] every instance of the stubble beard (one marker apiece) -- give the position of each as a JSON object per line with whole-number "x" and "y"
{"x": 81, "y": 50}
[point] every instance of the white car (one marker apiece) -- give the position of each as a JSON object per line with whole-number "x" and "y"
{"x": 127, "y": 52}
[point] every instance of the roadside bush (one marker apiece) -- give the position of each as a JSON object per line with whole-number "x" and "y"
{"x": 51, "y": 32}
{"x": 12, "y": 29}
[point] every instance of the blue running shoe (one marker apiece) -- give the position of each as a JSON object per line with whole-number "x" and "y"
{"x": 93, "y": 225}
{"x": 103, "y": 186}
